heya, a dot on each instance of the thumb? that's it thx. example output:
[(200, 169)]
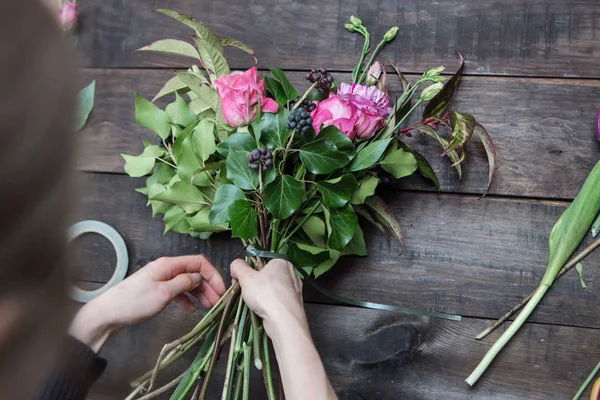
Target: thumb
[(241, 271), (182, 283)]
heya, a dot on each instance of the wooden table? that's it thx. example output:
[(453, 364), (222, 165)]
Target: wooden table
[(532, 69)]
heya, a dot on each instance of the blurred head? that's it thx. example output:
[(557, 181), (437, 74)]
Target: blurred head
[(37, 101)]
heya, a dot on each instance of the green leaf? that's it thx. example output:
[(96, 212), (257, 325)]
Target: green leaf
[(314, 227), (399, 163), (490, 150), (382, 213), (85, 105), (453, 155), (244, 219), (184, 195), (188, 164), (172, 47), (337, 192), (231, 42), (203, 139), (212, 57), (158, 207), (196, 84), (438, 105), (290, 92), (274, 133), (179, 112), (325, 266), (357, 246), (200, 29), (369, 155), (152, 117), (276, 91), (423, 165), (175, 221), (322, 156), (283, 196), (342, 224), (173, 85), (341, 141), (579, 268), (239, 172), (162, 174), (596, 226), (363, 212), (366, 187), (305, 255), (201, 222), (136, 166), (462, 130), (238, 141), (181, 137), (224, 197)]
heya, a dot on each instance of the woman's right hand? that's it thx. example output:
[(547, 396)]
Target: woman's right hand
[(274, 293)]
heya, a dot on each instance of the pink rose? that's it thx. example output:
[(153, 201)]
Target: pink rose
[(337, 112), (240, 93), (68, 15)]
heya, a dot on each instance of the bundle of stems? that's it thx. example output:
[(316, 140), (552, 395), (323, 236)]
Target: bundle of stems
[(567, 234)]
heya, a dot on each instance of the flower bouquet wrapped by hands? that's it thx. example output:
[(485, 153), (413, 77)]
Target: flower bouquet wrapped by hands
[(286, 172)]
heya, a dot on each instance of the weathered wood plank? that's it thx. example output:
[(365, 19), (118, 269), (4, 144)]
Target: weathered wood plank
[(377, 355), (543, 129), (462, 255), (513, 37)]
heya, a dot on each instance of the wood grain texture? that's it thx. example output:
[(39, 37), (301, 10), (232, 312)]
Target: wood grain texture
[(513, 37), (462, 255), (378, 355), (543, 130)]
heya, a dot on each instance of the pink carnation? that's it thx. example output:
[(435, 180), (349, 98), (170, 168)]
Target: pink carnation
[(240, 93)]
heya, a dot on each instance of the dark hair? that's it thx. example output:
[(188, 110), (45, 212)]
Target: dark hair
[(37, 98)]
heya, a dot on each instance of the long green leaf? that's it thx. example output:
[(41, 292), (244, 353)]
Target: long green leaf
[(85, 105), (382, 213), (201, 30), (173, 47), (490, 150)]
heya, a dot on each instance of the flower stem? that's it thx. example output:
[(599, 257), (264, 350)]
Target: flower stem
[(267, 371), (246, 371), (365, 51), (587, 382), (368, 65), (508, 334), (285, 239), (256, 340), (391, 131)]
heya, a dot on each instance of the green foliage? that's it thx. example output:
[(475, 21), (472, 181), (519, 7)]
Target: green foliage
[(244, 219), (314, 228), (224, 197), (341, 226), (337, 192), (213, 58), (184, 195), (399, 163), (238, 171), (283, 196), (201, 31), (369, 155), (172, 47), (274, 133), (290, 93), (274, 88), (85, 105), (423, 165), (203, 139), (331, 150), (382, 213), (172, 86), (179, 112), (152, 117), (439, 104), (366, 187), (136, 166), (239, 141)]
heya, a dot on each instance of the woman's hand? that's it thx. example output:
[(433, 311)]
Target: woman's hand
[(146, 293)]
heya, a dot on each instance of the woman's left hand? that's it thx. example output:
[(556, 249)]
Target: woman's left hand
[(146, 293)]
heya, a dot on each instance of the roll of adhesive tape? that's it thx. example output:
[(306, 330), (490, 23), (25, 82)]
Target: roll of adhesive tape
[(118, 243)]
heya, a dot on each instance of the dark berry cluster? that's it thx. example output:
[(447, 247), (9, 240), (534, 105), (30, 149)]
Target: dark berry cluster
[(323, 77), (260, 158), (300, 118)]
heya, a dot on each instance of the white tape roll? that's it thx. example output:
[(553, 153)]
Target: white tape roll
[(118, 243)]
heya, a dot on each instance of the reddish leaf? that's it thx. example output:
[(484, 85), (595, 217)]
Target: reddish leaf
[(363, 212), (422, 165), (439, 104), (382, 213), (462, 130), (453, 155), (490, 151)]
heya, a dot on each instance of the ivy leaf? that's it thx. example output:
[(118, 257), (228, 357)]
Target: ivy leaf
[(188, 164), (423, 165), (439, 104), (184, 195), (238, 141), (314, 227), (369, 155), (85, 105), (181, 137), (203, 139), (175, 221), (341, 141), (325, 266), (382, 214), (200, 29), (179, 112), (283, 196), (490, 150), (136, 166), (462, 130), (337, 192), (152, 117), (172, 47), (212, 57), (453, 155), (276, 90), (357, 246), (341, 224), (306, 255), (399, 163), (244, 219), (201, 222), (225, 195), (239, 172), (290, 92), (274, 133), (158, 207), (331, 150), (173, 85), (366, 187)]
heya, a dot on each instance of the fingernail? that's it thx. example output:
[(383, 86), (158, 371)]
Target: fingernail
[(196, 277)]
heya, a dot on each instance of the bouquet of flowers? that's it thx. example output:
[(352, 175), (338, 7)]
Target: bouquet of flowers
[(286, 172)]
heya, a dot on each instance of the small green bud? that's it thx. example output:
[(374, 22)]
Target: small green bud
[(431, 91), (350, 27), (391, 34), (433, 73), (355, 21)]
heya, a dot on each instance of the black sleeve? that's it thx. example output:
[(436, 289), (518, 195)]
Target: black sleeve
[(73, 374)]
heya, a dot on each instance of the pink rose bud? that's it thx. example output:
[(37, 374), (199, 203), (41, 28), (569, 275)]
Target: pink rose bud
[(240, 93), (374, 73), (68, 15)]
